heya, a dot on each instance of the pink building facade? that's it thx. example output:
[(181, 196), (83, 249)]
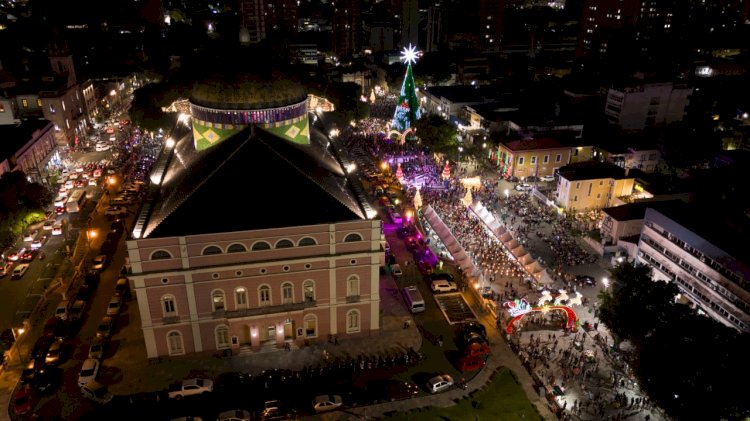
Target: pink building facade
[(263, 289)]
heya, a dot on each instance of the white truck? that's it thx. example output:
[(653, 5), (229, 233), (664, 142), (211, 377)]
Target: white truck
[(189, 387)]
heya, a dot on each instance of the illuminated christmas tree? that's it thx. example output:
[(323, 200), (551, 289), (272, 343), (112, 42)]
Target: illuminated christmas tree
[(407, 108)]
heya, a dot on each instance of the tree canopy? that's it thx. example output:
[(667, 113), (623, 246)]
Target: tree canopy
[(21, 203), (437, 133), (683, 361)]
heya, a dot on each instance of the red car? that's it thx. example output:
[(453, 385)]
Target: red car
[(469, 363), (22, 400), (60, 210)]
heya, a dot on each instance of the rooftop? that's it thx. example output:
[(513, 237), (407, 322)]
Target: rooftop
[(14, 137), (633, 211), (532, 144), (466, 93), (591, 170), (253, 180)]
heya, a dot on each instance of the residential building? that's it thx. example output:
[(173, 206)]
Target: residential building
[(300, 264), (29, 147), (637, 105), (592, 185), (630, 157), (703, 257), (531, 157), (449, 101)]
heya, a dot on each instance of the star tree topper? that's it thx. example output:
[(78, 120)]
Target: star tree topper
[(409, 55)]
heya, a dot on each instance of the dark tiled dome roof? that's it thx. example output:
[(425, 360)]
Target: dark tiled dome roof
[(248, 92)]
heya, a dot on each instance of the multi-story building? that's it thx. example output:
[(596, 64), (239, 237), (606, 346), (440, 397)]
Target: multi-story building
[(29, 147), (300, 263), (637, 105), (646, 159), (592, 185), (347, 27), (704, 258), (532, 157)]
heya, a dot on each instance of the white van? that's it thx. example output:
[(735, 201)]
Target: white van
[(413, 299)]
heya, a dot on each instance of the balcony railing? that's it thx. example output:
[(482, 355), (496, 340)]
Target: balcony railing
[(256, 311), (352, 298), (168, 320)]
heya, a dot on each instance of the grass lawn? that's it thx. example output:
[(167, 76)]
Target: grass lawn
[(501, 399)]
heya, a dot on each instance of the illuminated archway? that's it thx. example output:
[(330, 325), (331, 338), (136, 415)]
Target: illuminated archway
[(520, 308)]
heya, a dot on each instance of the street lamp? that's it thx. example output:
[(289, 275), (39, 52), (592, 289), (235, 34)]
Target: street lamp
[(605, 282)]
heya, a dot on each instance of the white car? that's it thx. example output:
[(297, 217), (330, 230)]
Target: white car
[(323, 403), (442, 285), (96, 392), (235, 415), (101, 147), (523, 187), (88, 372), (57, 228), (48, 224), (547, 178), (440, 383), (189, 387), (116, 210), (29, 236)]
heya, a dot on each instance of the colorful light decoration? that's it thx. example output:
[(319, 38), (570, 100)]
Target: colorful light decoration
[(418, 199), (446, 171), (400, 174), (407, 109)]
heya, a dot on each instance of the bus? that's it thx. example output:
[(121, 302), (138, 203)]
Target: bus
[(76, 201)]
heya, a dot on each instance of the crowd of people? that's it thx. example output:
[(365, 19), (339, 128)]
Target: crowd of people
[(602, 393)]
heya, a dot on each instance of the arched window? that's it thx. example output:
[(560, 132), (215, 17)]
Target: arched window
[(222, 337), (353, 237), (306, 241), (352, 321), (287, 293), (352, 286), (240, 298), (168, 305), (217, 300), (174, 343), (160, 255), (261, 245), (308, 289), (284, 244), (211, 250), (264, 295), (311, 326), (236, 248)]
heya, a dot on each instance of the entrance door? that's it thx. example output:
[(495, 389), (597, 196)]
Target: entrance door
[(245, 339), (289, 330), (271, 333)]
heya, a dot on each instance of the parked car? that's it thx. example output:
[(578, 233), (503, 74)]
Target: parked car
[(56, 353), (470, 363), (76, 310), (30, 370), (47, 226), (40, 348), (22, 400), (99, 262), (547, 178), (523, 187), (63, 309), (97, 348), (235, 415), (122, 288), (190, 387), (116, 211), (440, 383), (475, 327), (7, 268), (88, 372), (57, 228), (16, 255), (324, 403), (104, 330), (586, 279), (96, 392), (396, 270), (443, 286), (30, 235), (113, 308)]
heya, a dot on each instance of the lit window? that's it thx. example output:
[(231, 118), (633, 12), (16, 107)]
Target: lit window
[(24, 103), (240, 297), (217, 300), (168, 305), (308, 287), (39, 102), (311, 326)]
